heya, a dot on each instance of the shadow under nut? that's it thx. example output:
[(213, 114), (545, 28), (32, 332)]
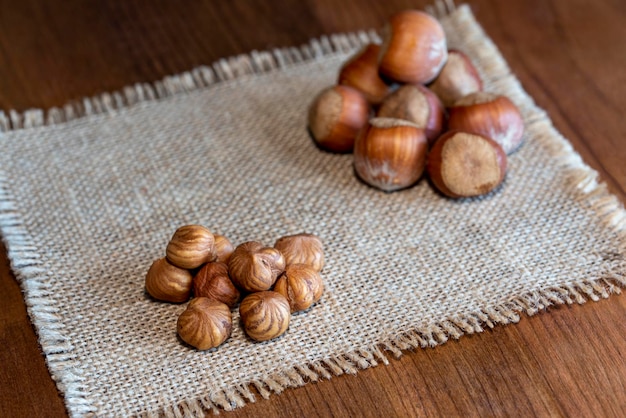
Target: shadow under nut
[(265, 315)]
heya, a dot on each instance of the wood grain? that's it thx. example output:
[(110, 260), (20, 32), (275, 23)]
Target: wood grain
[(569, 55)]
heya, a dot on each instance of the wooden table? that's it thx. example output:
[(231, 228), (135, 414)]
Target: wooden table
[(570, 56)]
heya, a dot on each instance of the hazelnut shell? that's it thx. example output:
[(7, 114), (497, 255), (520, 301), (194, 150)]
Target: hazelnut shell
[(336, 116), (417, 104), (462, 164), (490, 115), (457, 79), (361, 73), (390, 154), (414, 48)]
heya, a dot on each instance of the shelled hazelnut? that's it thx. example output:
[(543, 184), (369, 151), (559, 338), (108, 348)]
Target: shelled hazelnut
[(457, 79), (417, 104), (212, 282), (166, 282), (414, 48), (265, 315), (302, 249), (491, 115), (223, 249), (254, 267), (361, 73), (336, 116), (206, 323), (390, 154), (301, 285), (191, 246), (464, 164)]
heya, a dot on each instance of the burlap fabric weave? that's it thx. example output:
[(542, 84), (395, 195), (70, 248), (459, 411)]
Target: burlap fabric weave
[(90, 195)]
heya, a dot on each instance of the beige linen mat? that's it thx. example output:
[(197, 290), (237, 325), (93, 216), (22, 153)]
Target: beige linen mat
[(91, 193)]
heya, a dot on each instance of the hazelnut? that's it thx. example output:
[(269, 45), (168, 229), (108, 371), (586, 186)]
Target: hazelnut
[(206, 323), (212, 282), (336, 116), (457, 79), (390, 154), (301, 285), (361, 73), (464, 164), (416, 104), (265, 315), (490, 115), (223, 248), (414, 48), (191, 246), (253, 267), (302, 249), (166, 282)]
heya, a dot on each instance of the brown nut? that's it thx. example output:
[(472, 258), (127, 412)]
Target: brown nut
[(462, 164), (336, 116), (167, 282), (302, 249), (361, 72), (191, 246), (223, 248), (457, 79), (490, 115), (212, 282), (390, 154), (414, 48), (301, 285), (265, 315), (254, 268), (416, 104), (206, 323)]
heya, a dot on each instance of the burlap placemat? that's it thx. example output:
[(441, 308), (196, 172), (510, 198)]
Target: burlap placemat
[(90, 195)]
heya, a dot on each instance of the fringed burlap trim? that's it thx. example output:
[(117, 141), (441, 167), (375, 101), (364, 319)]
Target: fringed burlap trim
[(36, 283)]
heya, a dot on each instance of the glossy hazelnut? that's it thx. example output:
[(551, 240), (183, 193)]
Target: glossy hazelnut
[(336, 116), (417, 104), (206, 323), (490, 115), (414, 48), (457, 79), (265, 315), (361, 73), (301, 285), (464, 164), (390, 154), (191, 246), (212, 282), (253, 267), (168, 283), (302, 249), (223, 248)]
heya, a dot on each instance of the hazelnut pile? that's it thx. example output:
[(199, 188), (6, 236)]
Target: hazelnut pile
[(276, 281), (411, 105)]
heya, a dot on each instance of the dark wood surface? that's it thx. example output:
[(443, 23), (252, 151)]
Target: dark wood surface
[(569, 54)]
